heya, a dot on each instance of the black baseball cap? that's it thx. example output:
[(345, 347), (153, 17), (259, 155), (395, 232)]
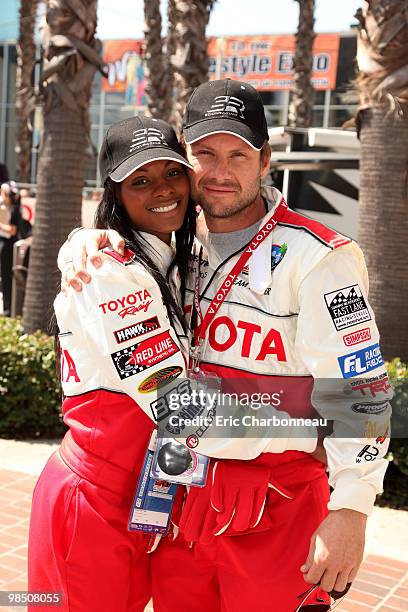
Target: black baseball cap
[(133, 142), (226, 106)]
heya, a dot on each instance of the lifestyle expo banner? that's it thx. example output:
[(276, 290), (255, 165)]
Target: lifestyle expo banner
[(264, 61)]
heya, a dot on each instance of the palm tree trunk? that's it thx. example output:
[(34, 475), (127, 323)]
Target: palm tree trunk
[(190, 59), (158, 84), (383, 130), (24, 89), (171, 44), (383, 224), (71, 57), (301, 107)]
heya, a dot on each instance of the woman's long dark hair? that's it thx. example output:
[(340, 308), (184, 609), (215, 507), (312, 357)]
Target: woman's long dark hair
[(15, 199), (111, 214)]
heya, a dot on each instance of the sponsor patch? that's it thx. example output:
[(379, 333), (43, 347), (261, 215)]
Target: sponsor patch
[(138, 329), (139, 357), (347, 307), (371, 386), (370, 408), (130, 304), (277, 254), (362, 335), (159, 379), (361, 361), (368, 453)]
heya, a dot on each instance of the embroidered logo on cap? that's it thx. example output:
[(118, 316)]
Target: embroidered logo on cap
[(227, 104), (145, 137)]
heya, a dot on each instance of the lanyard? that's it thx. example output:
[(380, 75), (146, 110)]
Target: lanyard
[(223, 291), (197, 305)]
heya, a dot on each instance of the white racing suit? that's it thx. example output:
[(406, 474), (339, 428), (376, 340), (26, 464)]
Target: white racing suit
[(297, 322), (298, 319)]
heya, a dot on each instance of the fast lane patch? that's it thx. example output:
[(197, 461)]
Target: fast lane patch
[(139, 357), (347, 307)]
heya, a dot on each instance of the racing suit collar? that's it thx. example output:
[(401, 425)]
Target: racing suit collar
[(259, 266), (161, 253), (260, 273)]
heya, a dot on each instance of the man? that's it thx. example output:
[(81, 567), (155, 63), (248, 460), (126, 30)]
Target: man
[(287, 315)]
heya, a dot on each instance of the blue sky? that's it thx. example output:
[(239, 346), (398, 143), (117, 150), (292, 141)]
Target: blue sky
[(124, 19), (8, 19)]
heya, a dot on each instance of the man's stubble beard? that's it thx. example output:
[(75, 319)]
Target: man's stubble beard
[(219, 211)]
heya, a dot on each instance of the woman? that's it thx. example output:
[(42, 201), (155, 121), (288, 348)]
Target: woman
[(10, 218), (112, 338)]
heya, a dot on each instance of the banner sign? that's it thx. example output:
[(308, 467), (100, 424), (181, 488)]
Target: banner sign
[(125, 69), (266, 61)]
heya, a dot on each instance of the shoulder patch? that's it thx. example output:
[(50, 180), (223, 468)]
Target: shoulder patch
[(125, 259), (324, 234)]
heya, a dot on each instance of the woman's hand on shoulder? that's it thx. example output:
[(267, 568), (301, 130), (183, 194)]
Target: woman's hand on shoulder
[(84, 245)]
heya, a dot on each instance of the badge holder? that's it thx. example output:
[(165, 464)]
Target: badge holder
[(154, 499), (179, 464), (174, 461)]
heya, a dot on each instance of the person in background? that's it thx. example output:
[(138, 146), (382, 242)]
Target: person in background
[(4, 174), (10, 218)]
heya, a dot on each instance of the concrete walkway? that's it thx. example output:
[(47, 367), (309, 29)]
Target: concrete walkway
[(381, 585)]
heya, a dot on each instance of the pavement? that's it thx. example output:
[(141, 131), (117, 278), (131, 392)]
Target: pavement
[(381, 584)]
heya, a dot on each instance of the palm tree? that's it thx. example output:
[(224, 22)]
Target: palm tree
[(71, 56), (382, 123), (189, 60), (170, 51), (301, 107), (24, 89), (157, 71)]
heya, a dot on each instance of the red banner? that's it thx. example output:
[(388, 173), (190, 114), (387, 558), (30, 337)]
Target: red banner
[(264, 61), (267, 61)]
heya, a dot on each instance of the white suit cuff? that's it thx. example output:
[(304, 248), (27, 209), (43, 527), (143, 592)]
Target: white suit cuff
[(353, 494)]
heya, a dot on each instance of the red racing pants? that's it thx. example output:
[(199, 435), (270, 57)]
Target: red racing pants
[(254, 572), (79, 544)]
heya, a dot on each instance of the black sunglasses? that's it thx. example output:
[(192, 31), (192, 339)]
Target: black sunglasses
[(320, 606)]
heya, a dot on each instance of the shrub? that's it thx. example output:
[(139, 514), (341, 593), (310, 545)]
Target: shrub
[(395, 484), (30, 395)]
